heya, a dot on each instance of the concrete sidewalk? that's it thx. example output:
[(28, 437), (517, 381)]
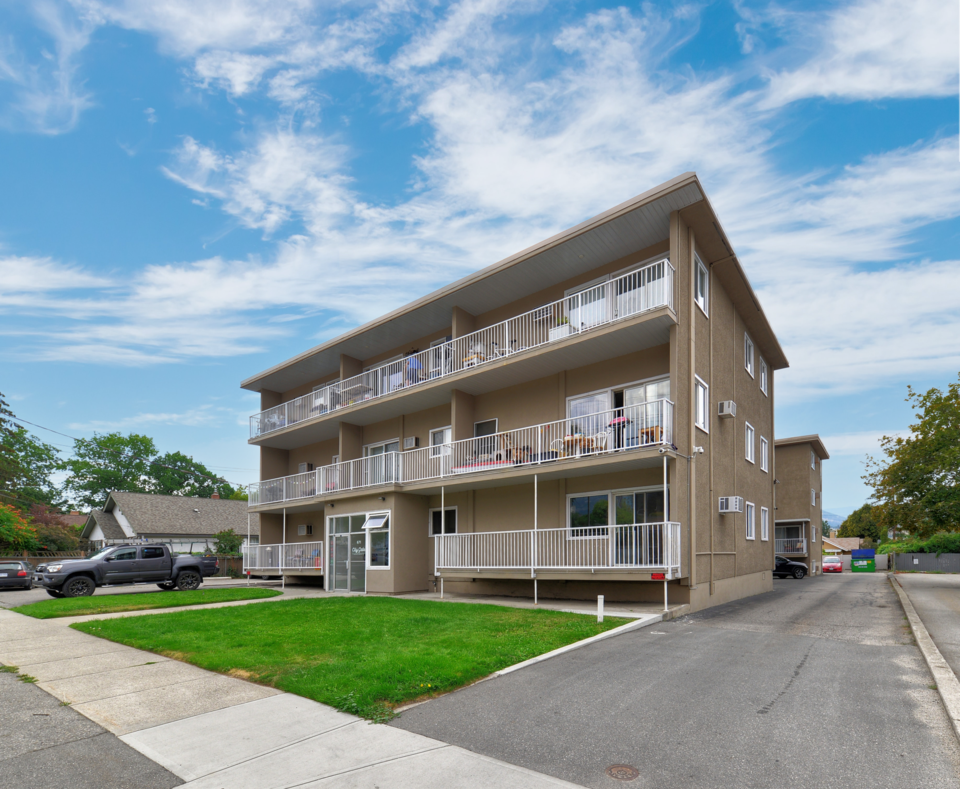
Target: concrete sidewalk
[(215, 731)]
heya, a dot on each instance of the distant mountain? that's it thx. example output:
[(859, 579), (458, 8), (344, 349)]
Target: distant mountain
[(833, 519)]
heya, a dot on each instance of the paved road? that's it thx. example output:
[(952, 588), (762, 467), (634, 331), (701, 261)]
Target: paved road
[(937, 600), (815, 684), (45, 744)]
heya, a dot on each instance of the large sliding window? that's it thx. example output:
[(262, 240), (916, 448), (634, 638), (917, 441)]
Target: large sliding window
[(589, 514), (625, 415)]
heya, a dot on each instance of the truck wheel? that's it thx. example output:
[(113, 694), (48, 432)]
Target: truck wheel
[(54, 593), (78, 586), (167, 586), (188, 579), (798, 573)]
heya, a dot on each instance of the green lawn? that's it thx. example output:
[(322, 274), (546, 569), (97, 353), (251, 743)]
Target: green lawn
[(363, 655), (111, 604)]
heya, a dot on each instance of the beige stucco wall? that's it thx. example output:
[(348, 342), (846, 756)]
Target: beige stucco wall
[(797, 479)]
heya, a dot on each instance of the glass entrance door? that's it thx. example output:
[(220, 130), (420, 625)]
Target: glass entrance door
[(348, 551), (341, 562)]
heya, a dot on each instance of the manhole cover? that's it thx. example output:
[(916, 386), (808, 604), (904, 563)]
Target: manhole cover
[(622, 772)]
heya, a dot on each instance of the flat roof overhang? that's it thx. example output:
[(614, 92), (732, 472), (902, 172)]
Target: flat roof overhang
[(605, 342), (628, 460), (633, 225)]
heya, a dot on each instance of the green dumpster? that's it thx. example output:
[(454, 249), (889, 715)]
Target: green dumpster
[(863, 560)]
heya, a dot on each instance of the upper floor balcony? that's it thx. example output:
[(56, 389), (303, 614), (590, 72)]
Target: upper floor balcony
[(559, 323), (615, 432)]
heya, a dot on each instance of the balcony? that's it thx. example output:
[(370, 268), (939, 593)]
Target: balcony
[(605, 433), (791, 545), (637, 292), (286, 556), (653, 547)]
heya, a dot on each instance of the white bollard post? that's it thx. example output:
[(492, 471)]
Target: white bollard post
[(599, 608), (441, 587), (666, 603)]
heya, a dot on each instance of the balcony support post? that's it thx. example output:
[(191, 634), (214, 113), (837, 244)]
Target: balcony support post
[(283, 547), (247, 554)]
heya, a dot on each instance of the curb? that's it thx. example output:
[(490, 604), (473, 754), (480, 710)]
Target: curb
[(947, 683), (635, 625)]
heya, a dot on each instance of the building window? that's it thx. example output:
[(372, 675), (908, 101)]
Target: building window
[(702, 405), (590, 514), (748, 353), (763, 376), (440, 440), (701, 286), (446, 525), (751, 443), (751, 525), (813, 460), (813, 497), (764, 454), (377, 527), (764, 524)]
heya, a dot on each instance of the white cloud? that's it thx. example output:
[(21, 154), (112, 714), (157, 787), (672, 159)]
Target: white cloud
[(861, 443), (202, 416), (875, 49), (21, 275)]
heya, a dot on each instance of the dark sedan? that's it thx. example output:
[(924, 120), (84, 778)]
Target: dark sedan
[(784, 568), (16, 575)]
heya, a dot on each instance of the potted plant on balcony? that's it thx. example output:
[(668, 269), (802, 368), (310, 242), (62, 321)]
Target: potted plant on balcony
[(562, 329)]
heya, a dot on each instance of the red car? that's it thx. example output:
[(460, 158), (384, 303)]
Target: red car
[(832, 564)]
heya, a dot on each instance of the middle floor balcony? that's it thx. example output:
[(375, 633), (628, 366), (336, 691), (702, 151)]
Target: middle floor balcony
[(605, 437)]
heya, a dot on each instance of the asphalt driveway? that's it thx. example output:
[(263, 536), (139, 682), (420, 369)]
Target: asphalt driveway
[(936, 598), (815, 684)]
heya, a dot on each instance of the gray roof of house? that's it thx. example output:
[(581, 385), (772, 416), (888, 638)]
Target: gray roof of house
[(107, 523), (150, 514)]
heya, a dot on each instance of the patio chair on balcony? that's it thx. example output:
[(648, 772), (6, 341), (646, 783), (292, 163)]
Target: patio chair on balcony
[(476, 355)]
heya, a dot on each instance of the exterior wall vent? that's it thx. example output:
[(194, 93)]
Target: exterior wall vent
[(727, 409), (731, 504), (305, 467), (411, 442)]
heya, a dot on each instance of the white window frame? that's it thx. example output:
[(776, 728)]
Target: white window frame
[(432, 510), (612, 493), (763, 377), (496, 427), (813, 497), (764, 524), (750, 512), (750, 443), (374, 445), (813, 460), (764, 454), (748, 354), (436, 450), (702, 300), (701, 406), (369, 532), (328, 532)]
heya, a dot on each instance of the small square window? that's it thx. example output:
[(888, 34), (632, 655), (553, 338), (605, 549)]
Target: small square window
[(751, 525), (748, 354), (701, 286), (447, 526), (702, 405), (751, 442)]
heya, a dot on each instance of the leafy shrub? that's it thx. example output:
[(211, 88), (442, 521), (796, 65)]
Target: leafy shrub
[(16, 533), (941, 542)]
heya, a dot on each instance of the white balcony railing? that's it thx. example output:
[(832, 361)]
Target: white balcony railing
[(617, 430), (638, 291), (285, 556), (654, 546), (791, 545)]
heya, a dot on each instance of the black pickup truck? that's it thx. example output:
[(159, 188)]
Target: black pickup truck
[(118, 565)]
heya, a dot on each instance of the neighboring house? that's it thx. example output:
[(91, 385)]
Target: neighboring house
[(186, 524), (800, 499), (532, 428), (841, 546), (74, 518)]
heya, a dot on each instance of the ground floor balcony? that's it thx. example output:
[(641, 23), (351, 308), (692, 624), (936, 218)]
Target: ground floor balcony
[(300, 556), (791, 546), (616, 434), (652, 548)]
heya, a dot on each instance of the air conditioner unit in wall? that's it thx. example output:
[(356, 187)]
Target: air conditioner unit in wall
[(305, 467), (731, 504), (727, 409), (305, 529), (411, 442)]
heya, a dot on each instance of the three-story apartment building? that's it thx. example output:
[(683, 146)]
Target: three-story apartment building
[(592, 415), (799, 515)]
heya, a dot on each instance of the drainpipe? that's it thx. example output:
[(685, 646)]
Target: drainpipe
[(691, 390), (710, 425)]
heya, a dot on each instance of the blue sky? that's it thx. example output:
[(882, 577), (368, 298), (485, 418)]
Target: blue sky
[(193, 191)]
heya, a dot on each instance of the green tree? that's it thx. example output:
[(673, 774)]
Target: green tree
[(35, 464), (16, 533), (239, 495), (176, 474), (227, 542), (825, 528), (8, 461), (862, 523), (53, 533), (109, 462), (916, 484)]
